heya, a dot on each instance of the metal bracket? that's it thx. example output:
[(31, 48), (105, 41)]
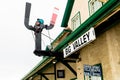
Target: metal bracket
[(48, 53)]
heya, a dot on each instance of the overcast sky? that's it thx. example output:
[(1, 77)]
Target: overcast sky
[(17, 42)]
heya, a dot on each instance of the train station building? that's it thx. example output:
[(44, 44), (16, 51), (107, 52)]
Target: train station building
[(89, 46)]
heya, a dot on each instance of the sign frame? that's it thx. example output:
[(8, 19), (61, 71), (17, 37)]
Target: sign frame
[(80, 42)]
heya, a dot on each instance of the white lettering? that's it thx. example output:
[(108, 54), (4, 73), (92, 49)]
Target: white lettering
[(80, 42)]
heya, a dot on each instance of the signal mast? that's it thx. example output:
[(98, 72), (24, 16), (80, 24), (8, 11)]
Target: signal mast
[(37, 28)]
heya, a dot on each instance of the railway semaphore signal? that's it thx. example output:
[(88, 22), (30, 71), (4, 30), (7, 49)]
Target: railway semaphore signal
[(37, 28)]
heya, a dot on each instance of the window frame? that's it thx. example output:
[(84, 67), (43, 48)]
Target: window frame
[(91, 12), (59, 72), (74, 19)]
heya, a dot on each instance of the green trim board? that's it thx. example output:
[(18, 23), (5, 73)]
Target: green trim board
[(87, 24), (67, 13)]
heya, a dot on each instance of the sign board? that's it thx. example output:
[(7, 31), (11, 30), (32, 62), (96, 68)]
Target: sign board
[(92, 72), (83, 40)]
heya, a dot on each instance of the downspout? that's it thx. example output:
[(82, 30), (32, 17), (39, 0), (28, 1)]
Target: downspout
[(67, 13)]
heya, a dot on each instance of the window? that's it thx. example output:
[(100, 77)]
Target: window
[(75, 21), (94, 5), (60, 73)]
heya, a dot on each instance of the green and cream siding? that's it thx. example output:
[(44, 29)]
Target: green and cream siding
[(98, 60), (82, 10)]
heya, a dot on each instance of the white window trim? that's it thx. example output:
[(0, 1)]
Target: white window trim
[(76, 21), (93, 8)]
